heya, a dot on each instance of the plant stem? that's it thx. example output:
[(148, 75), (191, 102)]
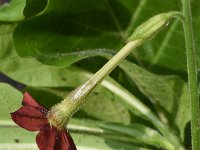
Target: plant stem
[(192, 75), (84, 90), (60, 113)]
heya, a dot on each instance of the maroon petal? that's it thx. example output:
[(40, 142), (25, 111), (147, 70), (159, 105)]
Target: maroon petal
[(66, 141), (29, 101), (49, 138), (30, 118), (46, 138)]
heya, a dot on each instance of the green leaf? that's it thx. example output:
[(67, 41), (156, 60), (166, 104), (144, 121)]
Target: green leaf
[(169, 94), (104, 105), (12, 11), (65, 34), (10, 99), (100, 26), (12, 138), (34, 7), (135, 133), (29, 71), (140, 133), (71, 34), (85, 142), (85, 135)]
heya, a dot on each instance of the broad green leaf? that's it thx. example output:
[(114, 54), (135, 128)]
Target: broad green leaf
[(79, 29), (12, 10), (29, 71), (79, 36), (59, 37), (168, 93)]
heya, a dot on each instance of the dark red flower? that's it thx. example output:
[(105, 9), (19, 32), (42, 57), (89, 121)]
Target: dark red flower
[(33, 117)]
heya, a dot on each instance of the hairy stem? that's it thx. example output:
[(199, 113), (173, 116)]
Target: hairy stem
[(60, 113), (192, 74)]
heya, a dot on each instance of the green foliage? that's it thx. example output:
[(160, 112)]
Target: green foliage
[(140, 133), (12, 11), (9, 102), (169, 94)]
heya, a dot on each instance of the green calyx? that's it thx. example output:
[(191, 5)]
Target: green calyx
[(152, 27)]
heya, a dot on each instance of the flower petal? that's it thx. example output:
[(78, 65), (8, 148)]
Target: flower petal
[(30, 118), (46, 138), (65, 141), (29, 101), (49, 138)]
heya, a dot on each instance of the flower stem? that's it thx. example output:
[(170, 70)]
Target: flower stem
[(85, 89), (192, 75), (60, 113)]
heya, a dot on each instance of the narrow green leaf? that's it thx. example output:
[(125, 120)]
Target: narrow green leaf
[(141, 133)]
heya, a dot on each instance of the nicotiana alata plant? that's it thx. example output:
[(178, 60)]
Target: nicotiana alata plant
[(45, 50)]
